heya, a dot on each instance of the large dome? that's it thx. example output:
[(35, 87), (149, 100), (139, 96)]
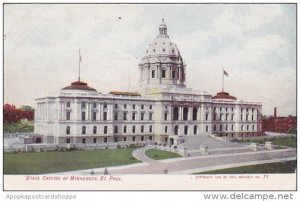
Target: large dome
[(162, 66), (162, 45)]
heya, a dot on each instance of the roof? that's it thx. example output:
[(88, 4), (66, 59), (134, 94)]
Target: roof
[(224, 95), (79, 85), (125, 93)]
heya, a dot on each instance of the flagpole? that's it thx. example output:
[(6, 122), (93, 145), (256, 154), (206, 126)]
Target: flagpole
[(223, 80), (79, 66)]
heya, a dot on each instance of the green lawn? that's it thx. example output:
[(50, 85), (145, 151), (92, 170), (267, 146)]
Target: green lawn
[(160, 155), (280, 167), (18, 127), (49, 162), (280, 141)]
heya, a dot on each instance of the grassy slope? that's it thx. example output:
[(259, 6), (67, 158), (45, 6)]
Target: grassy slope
[(283, 167), (159, 155), (289, 141), (48, 162)]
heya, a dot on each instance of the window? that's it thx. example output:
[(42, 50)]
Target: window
[(68, 104), (116, 106), (95, 140), (133, 116), (226, 127), (232, 117), (115, 139), (133, 106), (104, 116), (68, 115), (94, 105), (95, 130), (173, 74), (83, 140), (153, 73), (206, 117), (105, 106), (221, 116), (124, 129), (253, 127), (176, 130), (175, 113), (116, 116), (166, 129), (215, 128), (142, 116), (195, 114), (83, 130), (133, 129), (150, 116), (125, 116), (83, 116), (185, 113), (142, 129), (116, 129), (166, 116), (195, 129), (105, 130), (242, 127), (124, 139), (241, 117), (83, 105), (68, 130), (68, 140), (150, 107), (105, 140), (186, 129), (150, 129), (215, 116), (142, 107), (164, 49), (163, 74), (247, 117), (94, 116), (133, 138), (252, 117), (125, 106), (232, 127), (221, 127), (142, 138), (206, 129), (247, 127)]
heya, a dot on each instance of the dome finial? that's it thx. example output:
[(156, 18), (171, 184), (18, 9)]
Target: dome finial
[(163, 28)]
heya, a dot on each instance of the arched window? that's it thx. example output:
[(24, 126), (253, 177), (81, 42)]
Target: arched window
[(195, 129), (176, 130), (142, 129), (185, 113), (186, 130), (133, 129), (68, 130), (105, 130), (150, 129), (175, 113), (95, 130), (195, 114), (83, 130)]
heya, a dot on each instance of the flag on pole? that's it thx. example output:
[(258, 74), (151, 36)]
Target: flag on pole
[(225, 73)]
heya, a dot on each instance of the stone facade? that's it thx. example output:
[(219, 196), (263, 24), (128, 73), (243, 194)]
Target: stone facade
[(162, 110)]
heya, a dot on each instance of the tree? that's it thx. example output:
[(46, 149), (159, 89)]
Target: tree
[(26, 108)]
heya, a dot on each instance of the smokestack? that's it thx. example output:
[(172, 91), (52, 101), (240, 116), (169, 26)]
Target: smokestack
[(275, 111)]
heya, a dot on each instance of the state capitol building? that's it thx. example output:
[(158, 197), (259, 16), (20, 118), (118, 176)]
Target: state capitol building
[(162, 110)]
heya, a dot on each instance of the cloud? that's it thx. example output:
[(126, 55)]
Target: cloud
[(42, 41)]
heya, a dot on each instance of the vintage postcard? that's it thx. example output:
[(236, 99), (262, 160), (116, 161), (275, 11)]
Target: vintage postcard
[(149, 97)]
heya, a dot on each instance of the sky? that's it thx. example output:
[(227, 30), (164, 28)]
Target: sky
[(254, 43)]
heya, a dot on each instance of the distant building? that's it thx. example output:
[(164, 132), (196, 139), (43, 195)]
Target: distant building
[(279, 124), (162, 110)]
